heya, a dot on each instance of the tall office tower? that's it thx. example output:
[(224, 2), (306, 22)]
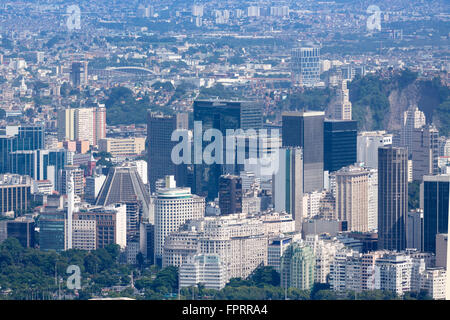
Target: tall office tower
[(305, 130), (368, 143), (340, 142), (52, 225), (15, 193), (78, 177), (352, 197), (110, 222), (413, 119), (435, 203), (99, 123), (305, 64), (66, 124), (123, 185), (425, 152), (297, 267), (84, 124), (221, 115), (342, 107), (230, 194), (392, 197), (414, 228), (173, 207), (287, 183), (159, 147), (75, 74), (372, 210)]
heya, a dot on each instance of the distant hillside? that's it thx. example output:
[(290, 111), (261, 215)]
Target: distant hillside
[(379, 101)]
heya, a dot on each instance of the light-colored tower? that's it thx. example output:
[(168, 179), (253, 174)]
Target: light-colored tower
[(305, 64), (368, 143), (352, 196), (413, 118), (425, 152), (70, 206), (66, 129), (173, 207), (99, 123), (84, 124), (342, 108)]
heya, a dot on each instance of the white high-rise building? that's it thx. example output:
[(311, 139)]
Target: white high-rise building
[(372, 204), (352, 196), (324, 253), (305, 64), (84, 124), (239, 241), (173, 207), (207, 269), (311, 203), (368, 143), (84, 234), (253, 11), (433, 281), (413, 119), (342, 107), (282, 11), (141, 167), (88, 124), (394, 273)]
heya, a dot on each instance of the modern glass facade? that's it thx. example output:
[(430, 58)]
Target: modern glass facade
[(392, 197), (221, 115), (340, 144), (305, 130), (436, 190), (52, 231), (36, 163)]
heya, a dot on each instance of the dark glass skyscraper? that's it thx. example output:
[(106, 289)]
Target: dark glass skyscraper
[(435, 194), (340, 144), (221, 115), (392, 197), (159, 148), (230, 194), (305, 130), (75, 74)]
